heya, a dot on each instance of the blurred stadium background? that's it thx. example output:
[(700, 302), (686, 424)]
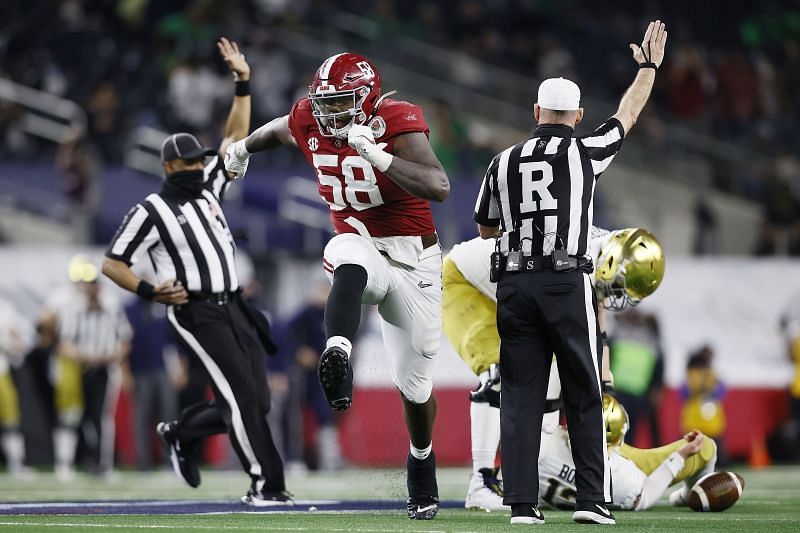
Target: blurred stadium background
[(89, 89)]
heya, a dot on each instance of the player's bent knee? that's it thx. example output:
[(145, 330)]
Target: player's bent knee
[(417, 391)]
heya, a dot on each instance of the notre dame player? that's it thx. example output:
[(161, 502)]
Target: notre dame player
[(640, 475), (629, 267)]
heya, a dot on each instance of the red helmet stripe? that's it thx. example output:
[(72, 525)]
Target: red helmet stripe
[(325, 69)]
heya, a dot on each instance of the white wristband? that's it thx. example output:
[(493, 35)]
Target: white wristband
[(675, 463), (380, 159)]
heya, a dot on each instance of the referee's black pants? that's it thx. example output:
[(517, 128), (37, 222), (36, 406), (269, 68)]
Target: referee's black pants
[(101, 386), (224, 339), (540, 314)]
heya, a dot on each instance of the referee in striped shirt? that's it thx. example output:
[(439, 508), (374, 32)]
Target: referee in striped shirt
[(185, 234), (536, 199)]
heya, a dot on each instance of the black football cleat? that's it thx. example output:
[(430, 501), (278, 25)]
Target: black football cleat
[(525, 513), (423, 492), (267, 498), (183, 459), (592, 513), (335, 374)]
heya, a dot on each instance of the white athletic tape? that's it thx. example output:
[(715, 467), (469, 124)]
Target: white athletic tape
[(701, 493)]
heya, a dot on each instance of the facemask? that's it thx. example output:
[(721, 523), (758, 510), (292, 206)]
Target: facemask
[(183, 186)]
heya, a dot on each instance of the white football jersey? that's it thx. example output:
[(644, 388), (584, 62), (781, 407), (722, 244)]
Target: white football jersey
[(627, 481), (557, 474), (473, 260)]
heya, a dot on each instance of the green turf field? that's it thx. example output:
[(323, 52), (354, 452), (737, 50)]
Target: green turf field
[(771, 503)]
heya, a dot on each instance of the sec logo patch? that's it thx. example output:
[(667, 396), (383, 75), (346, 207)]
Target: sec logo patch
[(378, 127), (313, 144)]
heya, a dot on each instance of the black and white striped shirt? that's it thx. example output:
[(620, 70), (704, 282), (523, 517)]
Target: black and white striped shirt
[(540, 191), (96, 332), (188, 241)]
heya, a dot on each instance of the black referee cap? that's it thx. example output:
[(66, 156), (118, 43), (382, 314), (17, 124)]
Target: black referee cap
[(183, 146)]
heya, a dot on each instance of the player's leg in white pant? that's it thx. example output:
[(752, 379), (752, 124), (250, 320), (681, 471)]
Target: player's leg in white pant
[(65, 443), (485, 490), (359, 274), (411, 325)]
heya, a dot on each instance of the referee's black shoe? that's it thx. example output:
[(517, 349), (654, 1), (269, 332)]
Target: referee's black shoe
[(526, 513), (423, 491), (335, 374), (183, 459), (592, 513)]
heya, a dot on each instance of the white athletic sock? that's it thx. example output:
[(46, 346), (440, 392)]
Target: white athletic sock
[(340, 342), (328, 449), (423, 453), (65, 441), (14, 449), (485, 431)]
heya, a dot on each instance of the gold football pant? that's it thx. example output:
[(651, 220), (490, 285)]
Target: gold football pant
[(9, 401), (68, 385), (649, 459), (469, 320)]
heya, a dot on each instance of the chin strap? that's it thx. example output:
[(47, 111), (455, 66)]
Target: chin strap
[(378, 104)]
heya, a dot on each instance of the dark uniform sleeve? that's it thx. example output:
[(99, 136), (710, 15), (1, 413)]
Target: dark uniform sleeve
[(603, 144), (216, 178), (487, 212), (136, 232)]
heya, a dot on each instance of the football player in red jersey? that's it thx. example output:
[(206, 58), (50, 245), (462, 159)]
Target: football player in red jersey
[(376, 170)]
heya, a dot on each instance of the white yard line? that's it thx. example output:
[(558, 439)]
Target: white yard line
[(183, 527)]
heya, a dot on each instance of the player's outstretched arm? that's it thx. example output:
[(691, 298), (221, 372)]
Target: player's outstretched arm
[(661, 478), (272, 134), (649, 56), (238, 124), (413, 165)]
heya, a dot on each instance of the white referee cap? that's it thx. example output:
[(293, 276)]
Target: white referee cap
[(559, 94)]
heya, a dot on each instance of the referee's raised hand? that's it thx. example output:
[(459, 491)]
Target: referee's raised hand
[(171, 294), (230, 53), (651, 51)]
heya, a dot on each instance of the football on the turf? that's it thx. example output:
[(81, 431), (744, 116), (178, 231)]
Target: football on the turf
[(716, 491)]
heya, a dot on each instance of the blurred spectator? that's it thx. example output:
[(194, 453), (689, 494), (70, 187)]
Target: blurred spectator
[(16, 337), (193, 94), (448, 137), (784, 442), (688, 83), (94, 339), (780, 232), (737, 96), (77, 160), (555, 61), (14, 142), (307, 333), (272, 78), (154, 370), (706, 239), (702, 396), (103, 110), (638, 366)]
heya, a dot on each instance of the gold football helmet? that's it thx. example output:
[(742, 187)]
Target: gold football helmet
[(630, 268), (81, 270), (616, 420)]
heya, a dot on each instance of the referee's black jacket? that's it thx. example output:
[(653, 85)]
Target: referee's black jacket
[(532, 191)]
